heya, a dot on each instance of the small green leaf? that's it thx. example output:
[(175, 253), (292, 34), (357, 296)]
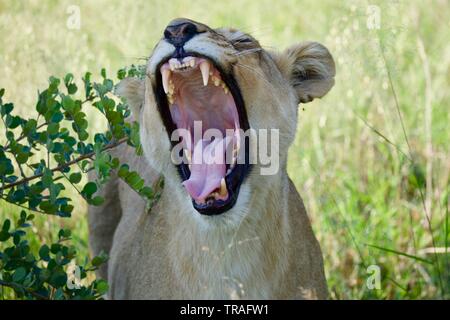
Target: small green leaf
[(64, 233), (44, 253), (48, 207), (58, 279), (18, 195), (75, 177), (89, 189), (101, 286), (19, 274), (68, 104), (100, 259), (12, 122), (47, 178), (4, 235), (121, 74), (123, 171), (53, 128), (97, 201), (6, 109), (6, 225)]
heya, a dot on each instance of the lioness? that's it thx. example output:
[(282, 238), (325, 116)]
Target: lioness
[(219, 230)]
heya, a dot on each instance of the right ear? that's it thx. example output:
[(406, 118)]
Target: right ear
[(133, 90), (309, 68)]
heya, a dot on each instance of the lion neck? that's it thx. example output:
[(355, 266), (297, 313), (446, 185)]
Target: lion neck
[(220, 257)]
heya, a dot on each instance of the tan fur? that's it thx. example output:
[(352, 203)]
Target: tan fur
[(262, 248)]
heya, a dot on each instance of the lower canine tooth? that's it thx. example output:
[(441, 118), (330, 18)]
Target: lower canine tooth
[(223, 187)]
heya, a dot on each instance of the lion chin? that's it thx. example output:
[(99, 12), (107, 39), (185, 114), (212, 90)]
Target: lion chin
[(221, 229)]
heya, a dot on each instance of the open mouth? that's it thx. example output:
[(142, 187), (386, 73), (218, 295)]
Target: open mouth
[(205, 106)]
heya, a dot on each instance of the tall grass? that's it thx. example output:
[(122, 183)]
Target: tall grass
[(371, 159)]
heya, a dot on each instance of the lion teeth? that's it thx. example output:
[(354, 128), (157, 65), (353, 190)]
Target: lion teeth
[(224, 87), (165, 79), (174, 64), (204, 68), (219, 82), (171, 88), (223, 188)]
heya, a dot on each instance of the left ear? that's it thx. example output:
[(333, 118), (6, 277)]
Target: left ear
[(309, 68)]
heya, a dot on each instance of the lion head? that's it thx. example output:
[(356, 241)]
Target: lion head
[(223, 80)]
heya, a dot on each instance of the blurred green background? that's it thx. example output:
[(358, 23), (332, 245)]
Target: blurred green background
[(371, 160)]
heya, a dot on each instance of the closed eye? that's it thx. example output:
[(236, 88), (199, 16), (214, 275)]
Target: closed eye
[(244, 40)]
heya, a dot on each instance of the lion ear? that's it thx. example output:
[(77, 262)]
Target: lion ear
[(310, 69), (133, 90)]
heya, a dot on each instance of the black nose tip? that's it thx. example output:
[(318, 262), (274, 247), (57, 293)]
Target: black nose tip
[(178, 34)]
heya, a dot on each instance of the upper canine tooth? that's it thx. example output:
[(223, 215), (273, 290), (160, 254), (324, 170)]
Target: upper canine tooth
[(204, 68), (165, 79), (192, 63)]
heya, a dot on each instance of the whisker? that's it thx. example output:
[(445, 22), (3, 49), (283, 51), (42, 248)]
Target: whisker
[(248, 51), (256, 72)]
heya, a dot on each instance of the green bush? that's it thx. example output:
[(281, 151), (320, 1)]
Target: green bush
[(43, 155)]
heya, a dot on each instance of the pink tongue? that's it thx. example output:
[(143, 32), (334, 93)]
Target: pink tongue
[(207, 169)]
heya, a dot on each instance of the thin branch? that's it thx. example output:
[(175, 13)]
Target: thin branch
[(17, 286), (24, 207), (73, 185), (14, 155), (65, 165), (23, 136)]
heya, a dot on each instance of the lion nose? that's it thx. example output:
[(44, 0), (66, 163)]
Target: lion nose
[(178, 33)]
